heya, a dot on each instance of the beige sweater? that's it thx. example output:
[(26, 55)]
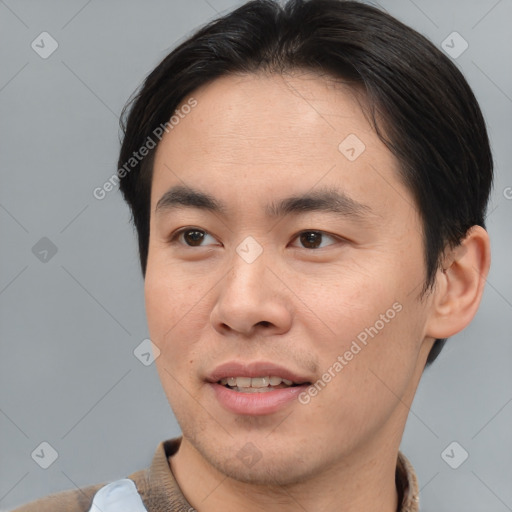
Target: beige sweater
[(160, 492)]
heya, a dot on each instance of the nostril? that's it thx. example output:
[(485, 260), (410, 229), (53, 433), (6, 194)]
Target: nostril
[(264, 323)]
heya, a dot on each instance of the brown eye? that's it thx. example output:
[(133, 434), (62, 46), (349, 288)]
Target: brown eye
[(311, 239), (193, 237), (316, 239)]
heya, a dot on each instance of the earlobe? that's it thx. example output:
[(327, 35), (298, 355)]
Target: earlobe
[(460, 284)]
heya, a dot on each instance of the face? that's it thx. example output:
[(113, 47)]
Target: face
[(282, 288)]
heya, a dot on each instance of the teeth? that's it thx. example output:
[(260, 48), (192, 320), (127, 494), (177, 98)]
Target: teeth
[(260, 382), (243, 382), (255, 382)]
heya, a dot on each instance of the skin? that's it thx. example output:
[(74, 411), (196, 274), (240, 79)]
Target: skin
[(252, 140)]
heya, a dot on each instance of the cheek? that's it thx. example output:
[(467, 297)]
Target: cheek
[(175, 314), (177, 309), (350, 300), (367, 321), (375, 347)]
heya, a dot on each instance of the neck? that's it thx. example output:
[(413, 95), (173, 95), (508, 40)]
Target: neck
[(362, 481)]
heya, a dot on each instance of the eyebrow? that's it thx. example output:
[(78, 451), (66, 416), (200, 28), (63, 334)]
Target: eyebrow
[(320, 200)]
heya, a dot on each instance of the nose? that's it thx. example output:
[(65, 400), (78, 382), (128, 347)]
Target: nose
[(251, 301)]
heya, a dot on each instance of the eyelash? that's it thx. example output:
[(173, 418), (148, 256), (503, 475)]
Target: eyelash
[(173, 239)]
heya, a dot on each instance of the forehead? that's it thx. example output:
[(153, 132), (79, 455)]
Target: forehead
[(267, 134), (270, 113)]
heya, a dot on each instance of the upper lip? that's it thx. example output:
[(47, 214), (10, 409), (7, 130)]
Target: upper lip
[(254, 369)]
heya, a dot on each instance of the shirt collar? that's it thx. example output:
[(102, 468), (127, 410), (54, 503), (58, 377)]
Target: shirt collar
[(407, 485)]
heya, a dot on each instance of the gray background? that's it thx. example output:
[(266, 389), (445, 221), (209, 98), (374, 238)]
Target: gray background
[(69, 326)]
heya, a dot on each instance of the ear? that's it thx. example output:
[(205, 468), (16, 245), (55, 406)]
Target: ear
[(460, 284)]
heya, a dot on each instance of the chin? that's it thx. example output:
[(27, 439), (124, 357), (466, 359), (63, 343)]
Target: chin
[(269, 473), (263, 467)]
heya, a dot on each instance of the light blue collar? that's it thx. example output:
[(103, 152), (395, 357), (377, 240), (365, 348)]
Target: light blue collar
[(118, 496)]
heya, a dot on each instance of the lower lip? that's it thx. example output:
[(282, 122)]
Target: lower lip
[(256, 403)]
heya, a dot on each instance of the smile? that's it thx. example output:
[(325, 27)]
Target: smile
[(256, 384)]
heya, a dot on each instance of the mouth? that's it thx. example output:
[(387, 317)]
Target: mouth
[(258, 384), (255, 388)]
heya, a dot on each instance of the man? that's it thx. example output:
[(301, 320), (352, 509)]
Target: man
[(309, 185)]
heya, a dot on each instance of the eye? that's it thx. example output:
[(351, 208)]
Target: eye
[(313, 239), (192, 237)]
